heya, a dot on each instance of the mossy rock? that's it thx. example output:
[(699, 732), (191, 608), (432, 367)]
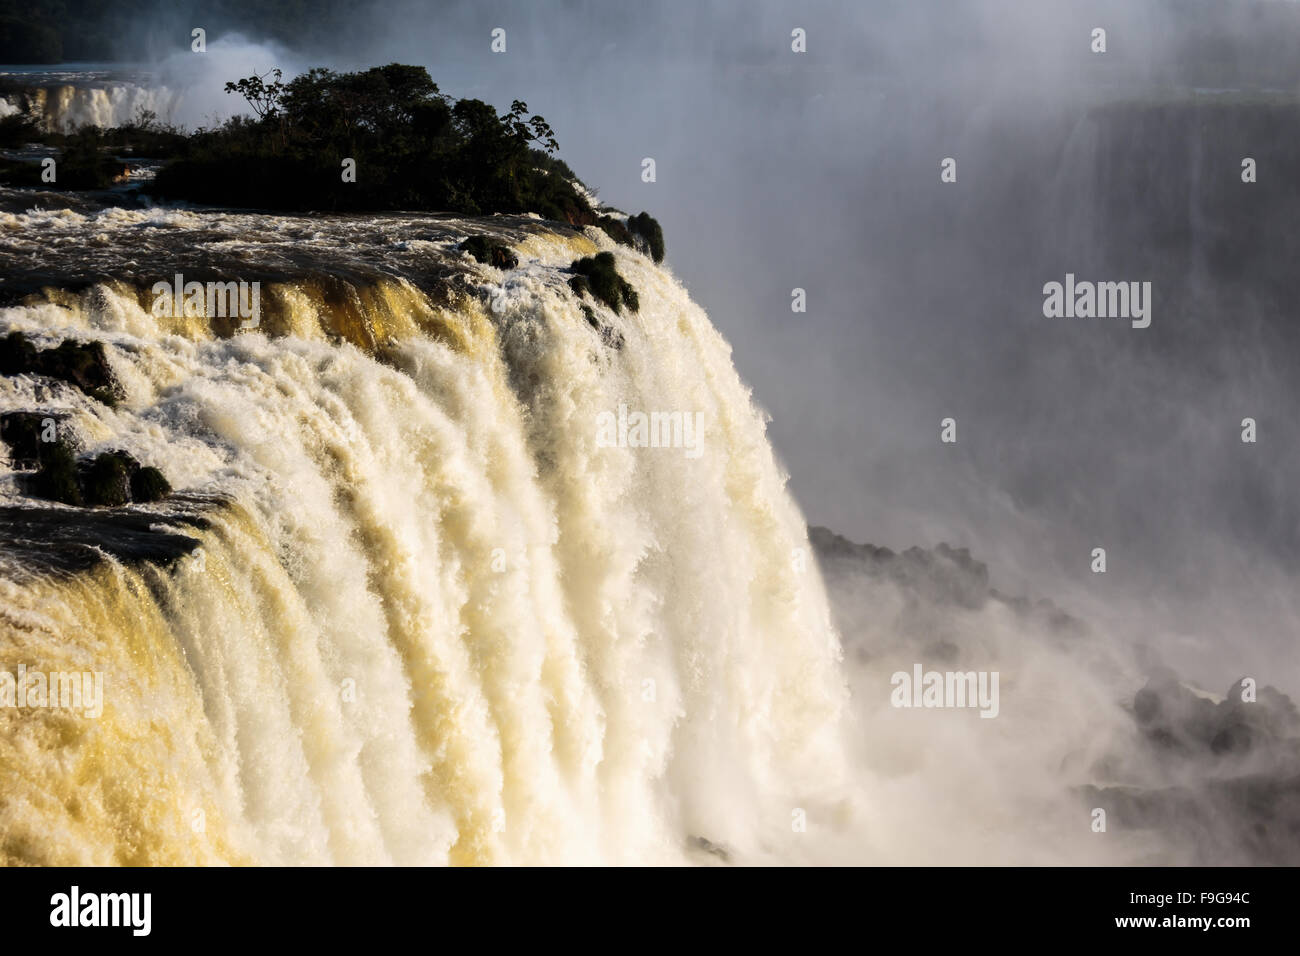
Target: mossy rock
[(597, 276), (149, 484), (490, 251), (106, 479), (29, 435), (114, 478), (57, 479), (38, 439)]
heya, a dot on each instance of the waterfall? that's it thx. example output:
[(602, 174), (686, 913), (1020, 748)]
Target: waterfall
[(429, 617)]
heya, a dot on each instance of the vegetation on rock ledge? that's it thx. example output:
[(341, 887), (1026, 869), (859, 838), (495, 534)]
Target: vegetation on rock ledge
[(596, 275), (410, 145), (374, 140), (38, 441)]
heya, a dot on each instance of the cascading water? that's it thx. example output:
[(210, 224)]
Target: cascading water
[(430, 617), (66, 107)]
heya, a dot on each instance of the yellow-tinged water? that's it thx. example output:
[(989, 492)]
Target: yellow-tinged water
[(436, 621)]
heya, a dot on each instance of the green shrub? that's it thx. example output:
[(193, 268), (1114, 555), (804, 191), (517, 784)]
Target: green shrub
[(414, 147), (83, 163), (598, 276), (18, 130), (645, 227), (145, 135), (616, 231)]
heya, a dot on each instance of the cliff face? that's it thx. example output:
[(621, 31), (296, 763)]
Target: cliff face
[(943, 575), (1186, 775)]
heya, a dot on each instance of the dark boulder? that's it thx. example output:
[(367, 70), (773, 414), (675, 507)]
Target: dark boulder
[(57, 479), (106, 479), (39, 442), (149, 484), (82, 364), (29, 435), (490, 251)]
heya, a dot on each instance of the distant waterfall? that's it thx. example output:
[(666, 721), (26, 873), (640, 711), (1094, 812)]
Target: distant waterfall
[(65, 108)]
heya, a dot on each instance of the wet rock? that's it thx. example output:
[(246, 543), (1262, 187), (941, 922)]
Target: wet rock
[(39, 442), (29, 436), (44, 539), (490, 251), (149, 484), (942, 575), (82, 364), (115, 478), (57, 479), (1178, 720), (106, 479)]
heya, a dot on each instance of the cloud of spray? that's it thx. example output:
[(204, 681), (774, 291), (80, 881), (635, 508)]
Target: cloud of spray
[(199, 79)]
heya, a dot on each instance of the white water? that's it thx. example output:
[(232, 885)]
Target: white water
[(436, 623)]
